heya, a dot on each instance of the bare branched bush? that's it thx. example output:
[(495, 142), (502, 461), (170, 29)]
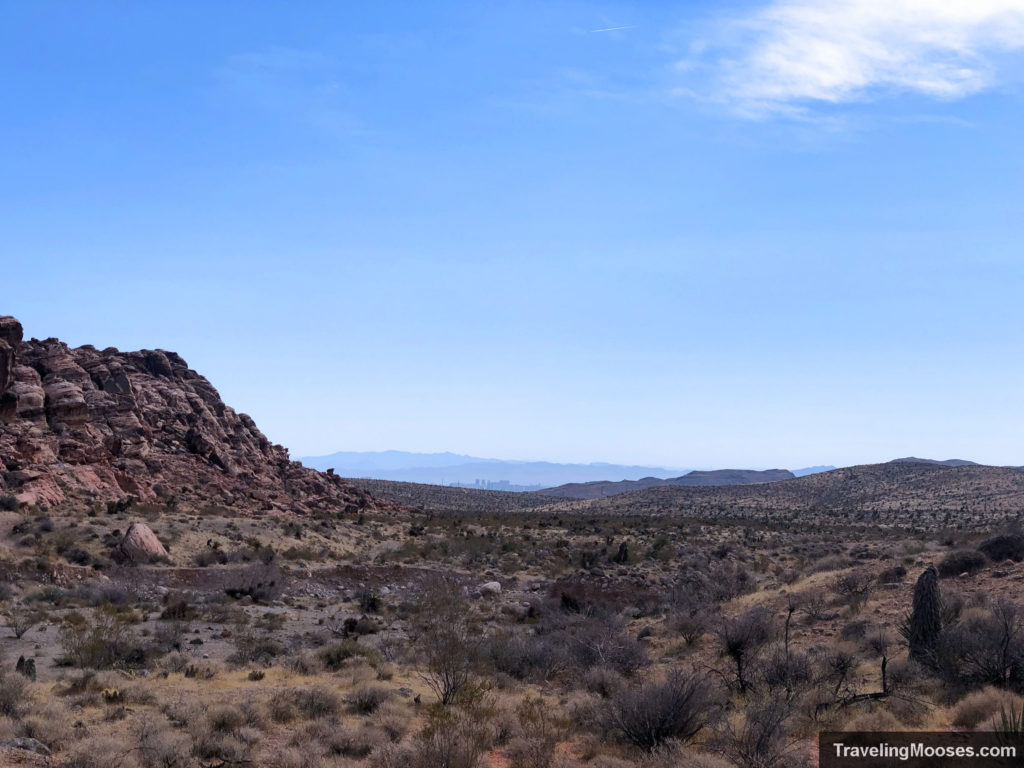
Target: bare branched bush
[(452, 738), (761, 741), (676, 709), (21, 620), (742, 637), (814, 603), (854, 588), (104, 641)]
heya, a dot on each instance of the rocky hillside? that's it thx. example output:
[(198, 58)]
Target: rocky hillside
[(717, 477), (89, 424)]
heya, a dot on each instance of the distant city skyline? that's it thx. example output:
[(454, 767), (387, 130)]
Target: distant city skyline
[(685, 234)]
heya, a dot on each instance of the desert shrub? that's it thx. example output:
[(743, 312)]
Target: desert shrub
[(369, 600), (261, 582), (691, 620), (178, 609), (451, 738), (786, 670), (961, 561), (48, 594), (392, 718), (333, 740), (530, 752), (742, 637), (529, 657), (951, 606), (225, 718), (1005, 547), (592, 641), (836, 665), (985, 648), (854, 630), (21, 620), (216, 747), (316, 702), (104, 594), (603, 681), (9, 503), (855, 588), (979, 706), (335, 655), (609, 761), (677, 708), (761, 740), (95, 751), (540, 728), (170, 636), (105, 641), (892, 575), (254, 647), (51, 725), (450, 657), (160, 747), (814, 602), (305, 663), (829, 563), (13, 694), (366, 700), (282, 709)]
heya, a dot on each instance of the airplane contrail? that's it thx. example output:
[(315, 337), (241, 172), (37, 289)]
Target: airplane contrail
[(611, 29)]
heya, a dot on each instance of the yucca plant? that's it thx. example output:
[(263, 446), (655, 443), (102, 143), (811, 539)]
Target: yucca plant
[(1011, 725)]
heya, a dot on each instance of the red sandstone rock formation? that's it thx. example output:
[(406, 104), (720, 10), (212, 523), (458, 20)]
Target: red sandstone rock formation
[(102, 425)]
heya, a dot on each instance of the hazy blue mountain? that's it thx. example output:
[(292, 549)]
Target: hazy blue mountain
[(449, 468), (383, 461), (812, 470)]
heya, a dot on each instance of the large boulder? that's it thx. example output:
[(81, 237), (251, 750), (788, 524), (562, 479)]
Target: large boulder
[(140, 545), (490, 589)]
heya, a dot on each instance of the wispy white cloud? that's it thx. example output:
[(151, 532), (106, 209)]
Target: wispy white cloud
[(792, 54)]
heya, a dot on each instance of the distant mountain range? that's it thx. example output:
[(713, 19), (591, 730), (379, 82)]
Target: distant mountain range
[(475, 472), (599, 490)]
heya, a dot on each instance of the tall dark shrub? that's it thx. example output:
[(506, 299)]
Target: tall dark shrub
[(926, 619)]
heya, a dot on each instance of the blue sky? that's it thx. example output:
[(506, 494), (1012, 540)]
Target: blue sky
[(688, 234)]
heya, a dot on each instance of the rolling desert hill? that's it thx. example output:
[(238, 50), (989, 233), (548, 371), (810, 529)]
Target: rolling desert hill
[(943, 462), (912, 494), (102, 425), (603, 489), (904, 493)]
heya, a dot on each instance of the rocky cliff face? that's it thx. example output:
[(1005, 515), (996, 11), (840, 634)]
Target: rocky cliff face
[(102, 424)]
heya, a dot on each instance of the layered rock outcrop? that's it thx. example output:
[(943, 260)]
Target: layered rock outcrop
[(105, 425)]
